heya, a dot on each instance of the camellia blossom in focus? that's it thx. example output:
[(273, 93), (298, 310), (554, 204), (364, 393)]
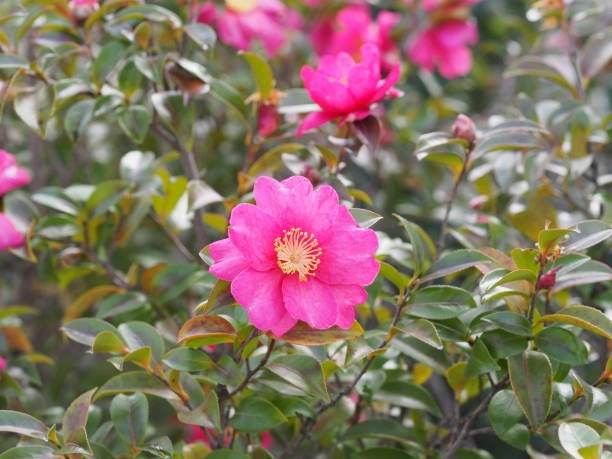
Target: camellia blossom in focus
[(10, 238), (244, 21), (445, 42), (353, 26), (297, 254), (346, 89), (11, 175)]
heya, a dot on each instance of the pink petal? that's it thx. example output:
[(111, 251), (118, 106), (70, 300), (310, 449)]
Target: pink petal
[(385, 86), (10, 238), (457, 63), (283, 325), (11, 175), (423, 50), (454, 33), (261, 294), (253, 231), (347, 297), (311, 301), (229, 261), (348, 257), (314, 120)]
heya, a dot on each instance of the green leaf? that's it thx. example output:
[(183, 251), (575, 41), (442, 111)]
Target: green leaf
[(22, 424), (390, 273), (230, 96), (56, 199), (423, 249), (153, 13), (505, 415), (364, 217), (186, 359), (121, 303), (422, 330), (30, 452), (480, 360), (531, 379), (58, 227), (454, 262), (104, 197), (205, 415), (135, 122), (304, 335), (136, 381), (407, 395), (551, 67), (588, 272), (383, 429), (440, 302), (77, 118), (575, 436), (10, 61), (585, 317), (383, 452), (85, 331), (511, 322), (587, 234), (225, 453), (264, 78), (562, 345), (138, 335), (271, 160), (130, 79), (502, 344), (202, 35), (549, 239), (108, 342), (75, 421), (421, 352), (255, 414), (204, 330), (303, 372), (130, 415), (595, 54)]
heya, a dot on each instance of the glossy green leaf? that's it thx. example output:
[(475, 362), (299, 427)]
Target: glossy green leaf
[(135, 121), (204, 330), (303, 372), (271, 160), (502, 344), (562, 345), (30, 452), (407, 395), (108, 342), (454, 262), (140, 334), (383, 429), (136, 381), (422, 330), (85, 331), (505, 415), (255, 414), (264, 78), (207, 414), (440, 302), (201, 34), (75, 420), (186, 359), (531, 379), (585, 317), (480, 360), (575, 436), (22, 424), (364, 217), (130, 415), (511, 322), (423, 249), (587, 234)]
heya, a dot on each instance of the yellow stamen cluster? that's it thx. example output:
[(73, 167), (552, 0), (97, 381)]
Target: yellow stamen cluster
[(298, 252)]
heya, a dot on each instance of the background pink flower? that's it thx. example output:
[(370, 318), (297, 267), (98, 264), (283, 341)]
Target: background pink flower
[(10, 238), (2, 364), (346, 89), (445, 45), (297, 254), (270, 21), (11, 175), (353, 26)]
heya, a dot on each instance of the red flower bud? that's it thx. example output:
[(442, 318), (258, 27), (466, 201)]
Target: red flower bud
[(311, 174), (548, 280), (464, 128), (268, 119)]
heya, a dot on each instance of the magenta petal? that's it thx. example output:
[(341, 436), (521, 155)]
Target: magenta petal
[(347, 297), (458, 62), (229, 261), (283, 325), (312, 302), (10, 238), (253, 231), (261, 294), (314, 120), (348, 257)]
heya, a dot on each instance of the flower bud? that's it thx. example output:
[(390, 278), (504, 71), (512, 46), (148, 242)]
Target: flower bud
[(2, 364), (268, 119), (311, 174), (82, 9), (548, 280), (464, 128)]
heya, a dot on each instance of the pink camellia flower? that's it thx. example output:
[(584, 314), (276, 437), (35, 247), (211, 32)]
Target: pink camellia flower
[(11, 175), (297, 254), (10, 238), (244, 21), (447, 5), (346, 89), (2, 364), (351, 27), (445, 45)]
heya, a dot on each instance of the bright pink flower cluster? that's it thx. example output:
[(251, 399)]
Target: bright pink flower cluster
[(346, 89), (445, 42), (11, 176), (243, 22), (297, 254), (353, 26)]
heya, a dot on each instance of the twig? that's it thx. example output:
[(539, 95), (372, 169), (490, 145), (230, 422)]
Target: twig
[(173, 237), (255, 369)]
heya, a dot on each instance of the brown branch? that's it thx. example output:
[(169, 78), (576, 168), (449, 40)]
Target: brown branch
[(173, 237), (254, 370)]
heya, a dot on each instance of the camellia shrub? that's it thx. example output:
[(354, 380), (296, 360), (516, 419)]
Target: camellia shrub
[(305, 228)]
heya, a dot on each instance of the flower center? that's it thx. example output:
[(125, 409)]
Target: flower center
[(241, 6), (298, 252)]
